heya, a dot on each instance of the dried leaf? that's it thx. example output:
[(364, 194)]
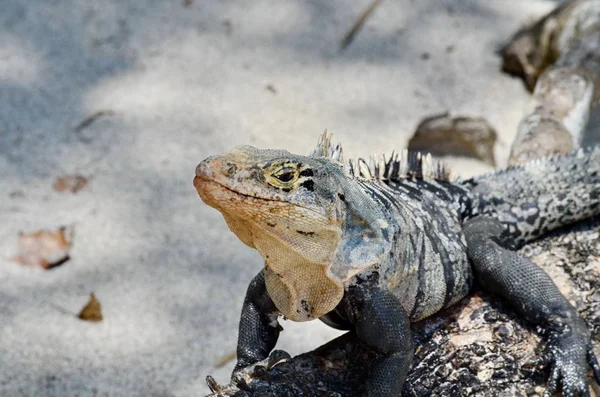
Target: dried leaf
[(45, 248), (455, 135), (71, 183), (92, 311)]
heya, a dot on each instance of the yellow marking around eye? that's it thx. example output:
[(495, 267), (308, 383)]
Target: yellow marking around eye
[(277, 171)]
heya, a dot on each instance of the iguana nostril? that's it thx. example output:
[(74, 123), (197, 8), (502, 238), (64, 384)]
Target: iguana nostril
[(201, 169), (210, 167)]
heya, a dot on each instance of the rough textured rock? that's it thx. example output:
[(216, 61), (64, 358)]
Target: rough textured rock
[(462, 136), (479, 347), (559, 59)]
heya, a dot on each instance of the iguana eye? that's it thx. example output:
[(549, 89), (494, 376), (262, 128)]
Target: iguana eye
[(283, 176), (286, 174)]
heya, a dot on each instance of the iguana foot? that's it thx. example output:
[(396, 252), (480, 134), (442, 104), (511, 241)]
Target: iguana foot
[(572, 354)]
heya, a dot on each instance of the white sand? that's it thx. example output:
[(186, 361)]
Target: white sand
[(184, 83)]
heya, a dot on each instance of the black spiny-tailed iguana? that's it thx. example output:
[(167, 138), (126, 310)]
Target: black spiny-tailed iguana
[(373, 247)]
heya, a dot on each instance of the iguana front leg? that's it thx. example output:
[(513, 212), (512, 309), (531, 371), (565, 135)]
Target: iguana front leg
[(377, 317), (380, 322), (531, 291), (259, 328)]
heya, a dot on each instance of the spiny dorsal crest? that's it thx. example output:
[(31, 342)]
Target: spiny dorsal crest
[(403, 165), (326, 148)]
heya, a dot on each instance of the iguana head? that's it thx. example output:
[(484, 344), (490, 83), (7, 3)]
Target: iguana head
[(310, 221)]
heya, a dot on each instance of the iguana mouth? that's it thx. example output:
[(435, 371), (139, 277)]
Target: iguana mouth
[(200, 183)]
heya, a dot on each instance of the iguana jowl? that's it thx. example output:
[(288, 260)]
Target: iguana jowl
[(373, 247)]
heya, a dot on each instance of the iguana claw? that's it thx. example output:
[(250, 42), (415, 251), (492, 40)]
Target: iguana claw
[(570, 364)]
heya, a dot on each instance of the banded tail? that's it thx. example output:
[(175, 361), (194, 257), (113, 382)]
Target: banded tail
[(537, 197)]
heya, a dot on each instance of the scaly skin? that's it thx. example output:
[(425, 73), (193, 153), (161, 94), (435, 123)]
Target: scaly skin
[(375, 247)]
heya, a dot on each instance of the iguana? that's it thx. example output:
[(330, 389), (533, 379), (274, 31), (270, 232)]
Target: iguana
[(373, 246)]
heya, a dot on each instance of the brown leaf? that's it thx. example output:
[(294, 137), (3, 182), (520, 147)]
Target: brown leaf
[(71, 183), (444, 134), (92, 311), (45, 248)]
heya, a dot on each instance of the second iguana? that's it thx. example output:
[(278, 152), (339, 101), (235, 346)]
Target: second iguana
[(373, 246)]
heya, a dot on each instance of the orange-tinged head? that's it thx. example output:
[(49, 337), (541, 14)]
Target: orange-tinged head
[(293, 209)]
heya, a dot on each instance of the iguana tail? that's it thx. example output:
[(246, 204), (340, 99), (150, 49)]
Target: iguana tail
[(539, 196)]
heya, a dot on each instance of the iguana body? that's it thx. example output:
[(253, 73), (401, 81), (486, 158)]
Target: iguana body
[(374, 247)]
